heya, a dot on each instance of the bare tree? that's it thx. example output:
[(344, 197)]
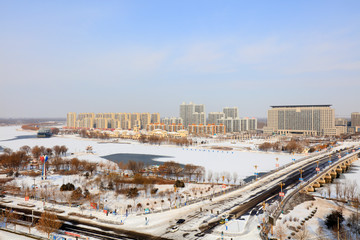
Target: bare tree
[(48, 223), (337, 188), (228, 177), (189, 170), (235, 177), (217, 177), (36, 152), (135, 167), (320, 233), (64, 150), (200, 171), (57, 150), (280, 232), (209, 175), (303, 234), (328, 190), (26, 149), (352, 190)]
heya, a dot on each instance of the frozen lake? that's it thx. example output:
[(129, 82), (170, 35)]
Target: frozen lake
[(242, 162)]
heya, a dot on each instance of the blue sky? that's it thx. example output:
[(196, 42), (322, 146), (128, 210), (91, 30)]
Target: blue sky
[(150, 56)]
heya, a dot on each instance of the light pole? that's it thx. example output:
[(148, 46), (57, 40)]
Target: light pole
[(317, 167), (256, 173), (281, 192), (301, 178)]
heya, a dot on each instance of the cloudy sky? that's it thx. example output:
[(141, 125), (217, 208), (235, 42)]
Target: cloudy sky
[(150, 56)]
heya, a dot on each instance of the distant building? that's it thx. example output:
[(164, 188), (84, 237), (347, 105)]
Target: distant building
[(228, 123), (213, 117), (155, 118), (44, 133), (123, 121), (210, 129), (315, 120), (192, 113), (71, 120), (152, 126), (231, 112), (172, 120), (355, 119), (248, 124)]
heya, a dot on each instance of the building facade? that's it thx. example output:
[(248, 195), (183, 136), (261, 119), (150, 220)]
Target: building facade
[(213, 117), (231, 112), (124, 121), (355, 119), (192, 113), (315, 120), (71, 120)]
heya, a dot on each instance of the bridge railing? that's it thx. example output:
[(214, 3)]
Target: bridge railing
[(280, 208)]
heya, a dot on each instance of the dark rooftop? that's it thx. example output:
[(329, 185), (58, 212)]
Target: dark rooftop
[(294, 106)]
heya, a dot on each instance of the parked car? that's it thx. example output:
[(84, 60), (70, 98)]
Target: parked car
[(180, 221), (174, 229)]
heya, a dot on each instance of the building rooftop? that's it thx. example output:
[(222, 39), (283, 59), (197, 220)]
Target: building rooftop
[(296, 106)]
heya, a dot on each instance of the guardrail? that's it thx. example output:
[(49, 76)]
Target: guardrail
[(280, 208)]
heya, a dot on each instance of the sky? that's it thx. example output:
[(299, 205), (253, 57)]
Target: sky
[(150, 56)]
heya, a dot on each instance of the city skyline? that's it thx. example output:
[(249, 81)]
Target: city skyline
[(151, 56)]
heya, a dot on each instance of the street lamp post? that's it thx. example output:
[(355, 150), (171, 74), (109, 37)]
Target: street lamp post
[(281, 191), (317, 167), (256, 173), (301, 178)]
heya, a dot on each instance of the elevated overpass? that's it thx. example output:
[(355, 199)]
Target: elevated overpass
[(331, 172)]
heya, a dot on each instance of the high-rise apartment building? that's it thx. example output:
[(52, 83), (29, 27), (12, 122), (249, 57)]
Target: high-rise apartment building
[(71, 120), (192, 113), (228, 123), (355, 119), (155, 118), (231, 112), (134, 120), (145, 119), (199, 118), (81, 116), (301, 119), (111, 120), (214, 116), (211, 129), (248, 124), (172, 120), (341, 122), (101, 123)]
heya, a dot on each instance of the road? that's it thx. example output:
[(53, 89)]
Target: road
[(209, 213), (244, 200)]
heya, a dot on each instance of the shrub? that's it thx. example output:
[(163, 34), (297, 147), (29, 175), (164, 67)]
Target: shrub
[(67, 187), (132, 193), (331, 220), (154, 190), (179, 183)]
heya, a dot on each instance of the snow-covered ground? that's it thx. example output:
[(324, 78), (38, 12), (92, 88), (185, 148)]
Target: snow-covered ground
[(324, 207), (242, 162), (351, 177)]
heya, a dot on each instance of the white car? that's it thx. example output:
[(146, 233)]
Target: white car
[(174, 229)]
